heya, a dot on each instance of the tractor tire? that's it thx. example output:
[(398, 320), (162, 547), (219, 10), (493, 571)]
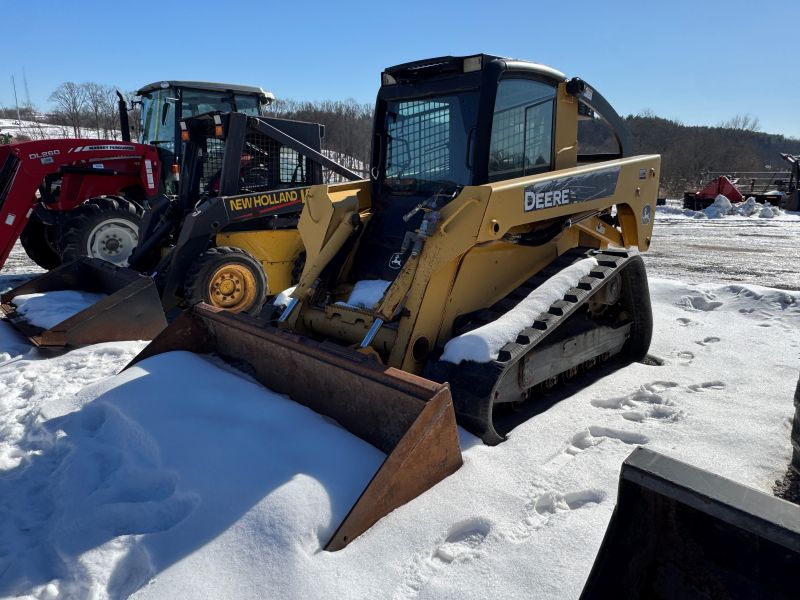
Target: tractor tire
[(227, 278), (105, 227), (38, 243)]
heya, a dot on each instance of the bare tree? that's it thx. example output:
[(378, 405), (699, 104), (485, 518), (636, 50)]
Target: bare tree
[(742, 123), (70, 101), (96, 103)]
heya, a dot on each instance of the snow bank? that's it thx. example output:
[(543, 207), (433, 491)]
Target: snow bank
[(768, 212), (484, 344), (722, 208), (367, 293), (51, 308), (156, 464)]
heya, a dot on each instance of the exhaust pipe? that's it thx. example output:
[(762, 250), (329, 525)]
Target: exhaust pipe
[(409, 418), (130, 311)]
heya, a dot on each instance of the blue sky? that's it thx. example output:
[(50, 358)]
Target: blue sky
[(700, 62)]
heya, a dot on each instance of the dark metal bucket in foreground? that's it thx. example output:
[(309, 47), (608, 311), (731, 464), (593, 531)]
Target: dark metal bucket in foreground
[(130, 311), (409, 418), (679, 531)]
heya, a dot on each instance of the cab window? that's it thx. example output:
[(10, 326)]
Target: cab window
[(521, 142), (158, 119), (248, 105), (198, 102)]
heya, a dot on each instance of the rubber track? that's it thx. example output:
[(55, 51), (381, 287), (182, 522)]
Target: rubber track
[(474, 383)]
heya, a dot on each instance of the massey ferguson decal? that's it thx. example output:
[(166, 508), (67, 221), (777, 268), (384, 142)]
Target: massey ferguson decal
[(262, 203), (571, 190), (125, 147)]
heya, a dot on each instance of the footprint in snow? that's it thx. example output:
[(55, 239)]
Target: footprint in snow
[(543, 506), (685, 322), (707, 341), (702, 302), (708, 385), (685, 357), (462, 540), (648, 402), (462, 543), (594, 435)]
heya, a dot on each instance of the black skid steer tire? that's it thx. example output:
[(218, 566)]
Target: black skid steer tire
[(105, 227), (228, 278), (636, 298), (38, 243)]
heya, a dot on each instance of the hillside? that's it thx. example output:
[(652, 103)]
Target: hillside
[(687, 152)]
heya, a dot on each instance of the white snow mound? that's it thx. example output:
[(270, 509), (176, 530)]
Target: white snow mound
[(283, 298), (720, 208), (163, 459), (367, 293), (484, 343), (48, 309), (768, 212)]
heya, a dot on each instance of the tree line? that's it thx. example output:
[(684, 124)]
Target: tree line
[(86, 109), (348, 127), (688, 153)]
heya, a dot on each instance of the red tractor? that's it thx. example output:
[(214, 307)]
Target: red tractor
[(42, 184), (68, 198)]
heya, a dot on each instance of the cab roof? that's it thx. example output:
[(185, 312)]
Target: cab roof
[(210, 86), (443, 65)]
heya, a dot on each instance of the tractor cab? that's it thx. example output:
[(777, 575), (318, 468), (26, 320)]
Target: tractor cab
[(165, 103), (449, 122)]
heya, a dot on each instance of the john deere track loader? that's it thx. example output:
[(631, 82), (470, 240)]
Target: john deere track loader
[(229, 238), (485, 220)]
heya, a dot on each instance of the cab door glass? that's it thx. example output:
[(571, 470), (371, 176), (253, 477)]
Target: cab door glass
[(198, 102), (521, 142), (158, 119), (248, 105)]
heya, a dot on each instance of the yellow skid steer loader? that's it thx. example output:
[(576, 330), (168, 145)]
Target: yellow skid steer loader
[(491, 250)]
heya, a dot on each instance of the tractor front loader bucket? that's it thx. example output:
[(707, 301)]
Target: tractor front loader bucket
[(681, 532), (131, 309), (409, 418)]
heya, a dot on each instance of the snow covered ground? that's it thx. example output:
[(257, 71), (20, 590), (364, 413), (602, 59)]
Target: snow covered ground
[(41, 131), (161, 483), (46, 310), (732, 249)]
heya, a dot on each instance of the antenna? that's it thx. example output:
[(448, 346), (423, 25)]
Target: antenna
[(16, 102), (27, 93)]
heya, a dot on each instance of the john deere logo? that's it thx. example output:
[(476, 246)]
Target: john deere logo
[(396, 261), (647, 212)]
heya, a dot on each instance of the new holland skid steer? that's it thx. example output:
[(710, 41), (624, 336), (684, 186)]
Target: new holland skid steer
[(482, 202), (229, 238)]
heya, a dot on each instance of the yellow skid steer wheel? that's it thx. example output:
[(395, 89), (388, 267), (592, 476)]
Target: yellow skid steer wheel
[(228, 278)]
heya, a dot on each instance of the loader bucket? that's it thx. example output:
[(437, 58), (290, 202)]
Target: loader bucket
[(681, 532), (409, 418), (130, 311)]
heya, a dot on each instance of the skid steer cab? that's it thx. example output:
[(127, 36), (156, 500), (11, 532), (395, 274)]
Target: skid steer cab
[(492, 252), (229, 238), (163, 105)]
